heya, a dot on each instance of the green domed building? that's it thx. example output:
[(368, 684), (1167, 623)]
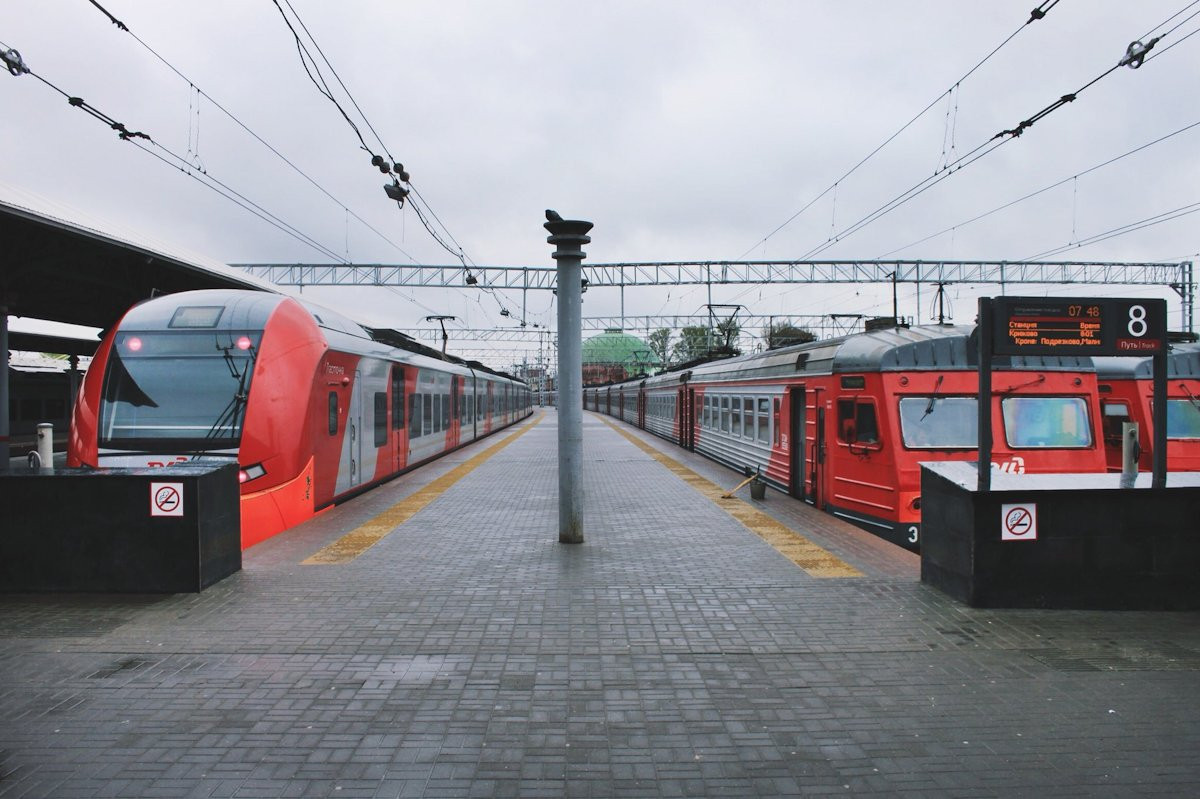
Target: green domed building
[(615, 355)]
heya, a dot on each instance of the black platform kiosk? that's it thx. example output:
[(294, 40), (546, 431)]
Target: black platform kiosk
[(166, 530), (1072, 540)]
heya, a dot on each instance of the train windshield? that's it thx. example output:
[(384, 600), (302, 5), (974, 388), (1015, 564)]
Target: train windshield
[(1183, 418), (1046, 422), (939, 422), (181, 391)]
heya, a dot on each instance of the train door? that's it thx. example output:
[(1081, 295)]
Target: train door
[(355, 431), (818, 458), (687, 425), (641, 408), (399, 434), (797, 441)]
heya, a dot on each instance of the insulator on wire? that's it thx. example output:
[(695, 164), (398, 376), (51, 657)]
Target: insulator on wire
[(381, 162), (14, 62), (1135, 54)]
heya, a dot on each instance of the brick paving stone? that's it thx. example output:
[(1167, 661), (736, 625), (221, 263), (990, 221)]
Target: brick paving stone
[(674, 653)]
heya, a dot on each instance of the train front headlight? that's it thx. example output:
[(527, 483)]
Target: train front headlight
[(251, 473)]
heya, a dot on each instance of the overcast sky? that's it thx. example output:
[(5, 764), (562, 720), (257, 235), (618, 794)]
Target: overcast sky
[(683, 130)]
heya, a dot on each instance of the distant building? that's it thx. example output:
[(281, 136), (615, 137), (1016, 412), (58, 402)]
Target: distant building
[(615, 355)]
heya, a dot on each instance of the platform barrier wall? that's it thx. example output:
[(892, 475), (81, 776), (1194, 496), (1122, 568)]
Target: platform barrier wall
[(1098, 545), (120, 530)]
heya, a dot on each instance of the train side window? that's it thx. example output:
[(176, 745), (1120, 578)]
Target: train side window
[(939, 422), (446, 415), (1115, 414), (735, 416), (397, 398), (775, 423), (857, 422), (845, 420), (867, 423), (1046, 422), (333, 413), (381, 425), (724, 414), (764, 419), (414, 415), (749, 417), (1183, 418)]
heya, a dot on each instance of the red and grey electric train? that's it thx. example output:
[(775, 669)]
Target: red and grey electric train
[(844, 423), (1127, 395), (307, 402)]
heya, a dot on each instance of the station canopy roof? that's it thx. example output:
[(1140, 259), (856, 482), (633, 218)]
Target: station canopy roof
[(61, 270)]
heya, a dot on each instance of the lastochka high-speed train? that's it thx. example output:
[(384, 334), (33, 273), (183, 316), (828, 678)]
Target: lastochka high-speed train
[(844, 423), (312, 408)]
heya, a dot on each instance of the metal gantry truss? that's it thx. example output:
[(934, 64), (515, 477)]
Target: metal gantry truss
[(824, 326), (1176, 275)]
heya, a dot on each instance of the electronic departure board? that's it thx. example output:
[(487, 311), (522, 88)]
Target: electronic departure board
[(1078, 326)]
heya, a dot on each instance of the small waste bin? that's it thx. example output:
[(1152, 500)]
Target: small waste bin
[(758, 490)]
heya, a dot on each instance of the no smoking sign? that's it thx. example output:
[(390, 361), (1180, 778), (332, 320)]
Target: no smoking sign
[(1018, 522), (166, 499)]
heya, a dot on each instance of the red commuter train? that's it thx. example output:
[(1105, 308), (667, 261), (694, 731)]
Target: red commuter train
[(1127, 395), (311, 406), (844, 423)]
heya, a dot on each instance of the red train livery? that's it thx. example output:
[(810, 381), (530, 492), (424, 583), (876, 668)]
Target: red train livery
[(307, 402), (1127, 394), (844, 423)]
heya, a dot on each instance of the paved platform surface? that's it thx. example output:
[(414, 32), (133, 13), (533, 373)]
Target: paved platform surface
[(674, 654)]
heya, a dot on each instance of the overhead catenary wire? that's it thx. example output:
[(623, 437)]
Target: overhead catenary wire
[(396, 170), (981, 151), (1150, 221), (1042, 190), (312, 39), (183, 164), (1038, 13), (321, 84), (234, 118), (206, 179), (1178, 41)]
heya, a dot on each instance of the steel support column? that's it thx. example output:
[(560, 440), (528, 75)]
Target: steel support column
[(568, 236)]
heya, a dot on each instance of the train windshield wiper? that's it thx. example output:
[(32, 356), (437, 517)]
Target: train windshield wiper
[(230, 416), (933, 399), (1191, 397)]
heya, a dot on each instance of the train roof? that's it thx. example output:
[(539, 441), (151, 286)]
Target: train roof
[(1183, 360), (893, 349), (251, 309)]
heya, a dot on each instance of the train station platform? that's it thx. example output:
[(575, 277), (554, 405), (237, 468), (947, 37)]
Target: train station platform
[(433, 639)]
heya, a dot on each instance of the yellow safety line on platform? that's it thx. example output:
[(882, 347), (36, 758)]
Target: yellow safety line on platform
[(359, 540), (799, 550)]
